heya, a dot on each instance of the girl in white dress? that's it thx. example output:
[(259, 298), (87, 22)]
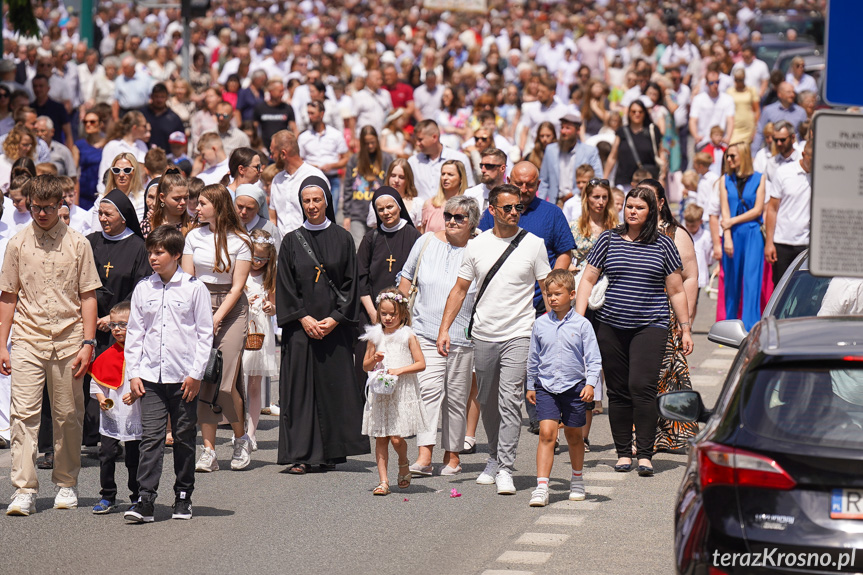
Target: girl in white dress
[(391, 418), (261, 291)]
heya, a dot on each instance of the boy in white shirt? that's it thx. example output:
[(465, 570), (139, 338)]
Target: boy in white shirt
[(120, 415), (169, 306), (692, 220)]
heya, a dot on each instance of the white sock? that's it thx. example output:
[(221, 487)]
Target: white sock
[(577, 476), (542, 482), (470, 440)]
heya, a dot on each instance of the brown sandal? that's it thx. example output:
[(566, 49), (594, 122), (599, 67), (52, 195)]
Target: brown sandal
[(382, 489), (404, 480)]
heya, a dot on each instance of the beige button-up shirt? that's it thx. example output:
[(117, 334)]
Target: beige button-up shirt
[(48, 270)]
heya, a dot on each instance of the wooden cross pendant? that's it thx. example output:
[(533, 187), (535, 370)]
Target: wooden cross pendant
[(108, 267), (317, 277), (391, 260)]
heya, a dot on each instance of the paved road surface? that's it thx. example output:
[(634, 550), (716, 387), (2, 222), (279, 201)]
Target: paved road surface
[(263, 520)]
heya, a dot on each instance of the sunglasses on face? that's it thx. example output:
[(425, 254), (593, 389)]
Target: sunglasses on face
[(598, 182), (481, 138), (519, 208), (490, 166), (4, 94), (117, 171), (459, 218), (223, 116), (731, 156), (713, 83), (780, 140), (90, 122), (117, 325)]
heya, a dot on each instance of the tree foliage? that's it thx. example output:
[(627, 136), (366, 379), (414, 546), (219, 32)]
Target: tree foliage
[(21, 17)]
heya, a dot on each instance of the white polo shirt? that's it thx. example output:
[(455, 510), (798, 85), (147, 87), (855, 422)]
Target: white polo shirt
[(320, 148), (793, 189), (285, 198), (427, 171), (710, 112)]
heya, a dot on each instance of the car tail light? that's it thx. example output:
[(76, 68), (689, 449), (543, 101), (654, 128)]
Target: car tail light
[(716, 571), (723, 465), (852, 358)]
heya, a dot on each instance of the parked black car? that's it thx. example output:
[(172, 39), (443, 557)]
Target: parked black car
[(776, 475)]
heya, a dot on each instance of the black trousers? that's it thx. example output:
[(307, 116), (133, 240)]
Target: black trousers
[(631, 360), (785, 255), (163, 400), (109, 450)]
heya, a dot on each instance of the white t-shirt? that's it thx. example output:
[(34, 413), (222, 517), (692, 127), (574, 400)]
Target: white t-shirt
[(710, 112), (285, 198), (506, 311), (572, 208), (793, 187), (201, 244), (214, 174), (707, 195), (703, 255)]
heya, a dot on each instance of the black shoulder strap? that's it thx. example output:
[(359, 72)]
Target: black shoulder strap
[(491, 273), (628, 133), (319, 265)]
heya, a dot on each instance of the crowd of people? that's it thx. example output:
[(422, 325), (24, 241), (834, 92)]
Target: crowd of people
[(412, 203)]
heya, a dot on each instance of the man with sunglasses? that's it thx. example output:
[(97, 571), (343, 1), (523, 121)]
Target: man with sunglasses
[(562, 158), (501, 325), (786, 152), (54, 318), (493, 168), (711, 108)]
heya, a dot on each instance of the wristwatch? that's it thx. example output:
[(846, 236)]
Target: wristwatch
[(91, 342)]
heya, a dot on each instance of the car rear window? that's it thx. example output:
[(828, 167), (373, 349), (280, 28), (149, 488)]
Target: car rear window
[(802, 296), (807, 405)]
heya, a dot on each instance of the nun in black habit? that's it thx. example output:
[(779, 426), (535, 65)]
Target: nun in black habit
[(316, 302)]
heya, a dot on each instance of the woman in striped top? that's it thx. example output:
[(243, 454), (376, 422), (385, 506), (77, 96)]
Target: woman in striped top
[(644, 274)]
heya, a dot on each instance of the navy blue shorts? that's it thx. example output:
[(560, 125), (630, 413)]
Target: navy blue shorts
[(566, 407)]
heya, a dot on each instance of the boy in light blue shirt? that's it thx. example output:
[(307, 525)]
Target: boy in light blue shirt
[(562, 371)]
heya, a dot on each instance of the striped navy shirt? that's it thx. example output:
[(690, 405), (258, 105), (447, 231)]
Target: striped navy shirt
[(636, 280)]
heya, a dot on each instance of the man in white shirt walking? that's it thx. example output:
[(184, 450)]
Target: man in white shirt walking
[(324, 147), (711, 108), (372, 105), (285, 209)]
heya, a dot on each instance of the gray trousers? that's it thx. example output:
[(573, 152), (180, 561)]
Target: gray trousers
[(501, 368), (444, 388)]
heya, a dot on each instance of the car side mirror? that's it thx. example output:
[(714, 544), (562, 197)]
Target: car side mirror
[(685, 406), (728, 332)]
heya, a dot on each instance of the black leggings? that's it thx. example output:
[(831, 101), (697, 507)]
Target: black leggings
[(631, 360)]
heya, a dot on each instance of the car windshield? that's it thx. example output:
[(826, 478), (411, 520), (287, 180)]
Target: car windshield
[(802, 296), (818, 406)]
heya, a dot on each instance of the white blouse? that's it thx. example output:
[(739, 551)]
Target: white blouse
[(201, 245)]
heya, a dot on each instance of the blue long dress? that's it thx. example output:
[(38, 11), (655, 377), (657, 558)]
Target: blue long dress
[(88, 167), (744, 271)]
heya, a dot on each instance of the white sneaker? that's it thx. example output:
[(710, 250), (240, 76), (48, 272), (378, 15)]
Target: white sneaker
[(539, 497), (242, 453), (23, 504), (487, 475), (66, 498), (576, 490), (207, 462), (275, 409), (254, 444), (505, 486)]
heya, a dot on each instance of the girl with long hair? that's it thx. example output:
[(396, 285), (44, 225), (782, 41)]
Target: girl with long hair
[(453, 182), (364, 174), (219, 253), (129, 135), (172, 195)]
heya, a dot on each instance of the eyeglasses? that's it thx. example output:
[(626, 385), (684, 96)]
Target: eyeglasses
[(459, 218), (598, 182), (49, 210), (481, 138), (117, 171), (780, 140), (490, 166), (258, 260), (90, 122), (510, 207), (713, 83), (117, 325), (223, 116), (256, 167), (731, 156), (4, 94)]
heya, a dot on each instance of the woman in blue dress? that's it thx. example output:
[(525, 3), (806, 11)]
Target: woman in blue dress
[(741, 196), (89, 157)]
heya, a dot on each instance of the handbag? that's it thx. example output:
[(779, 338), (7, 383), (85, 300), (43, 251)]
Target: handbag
[(379, 382), (597, 294), (213, 376), (412, 294), (254, 339)]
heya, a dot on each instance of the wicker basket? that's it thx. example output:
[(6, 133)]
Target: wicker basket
[(254, 339)]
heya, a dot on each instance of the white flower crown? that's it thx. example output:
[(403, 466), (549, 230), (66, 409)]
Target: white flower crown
[(270, 241), (389, 295)]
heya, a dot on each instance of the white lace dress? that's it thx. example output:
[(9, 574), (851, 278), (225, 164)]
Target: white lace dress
[(400, 414), (263, 361)]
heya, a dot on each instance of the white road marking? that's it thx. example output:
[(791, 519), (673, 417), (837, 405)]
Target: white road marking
[(576, 505), (543, 539), (573, 520), (524, 557), (706, 380), (592, 476), (715, 363)]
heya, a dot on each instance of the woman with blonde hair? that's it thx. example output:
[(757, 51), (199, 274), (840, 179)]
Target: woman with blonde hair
[(219, 253), (172, 194), (125, 174), (453, 182), (126, 136), (20, 143), (741, 200)]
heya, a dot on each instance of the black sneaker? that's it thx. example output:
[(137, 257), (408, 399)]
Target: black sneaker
[(140, 512), (182, 507), (46, 461), (533, 428)]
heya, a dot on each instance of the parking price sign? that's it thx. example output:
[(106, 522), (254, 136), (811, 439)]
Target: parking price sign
[(836, 241)]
